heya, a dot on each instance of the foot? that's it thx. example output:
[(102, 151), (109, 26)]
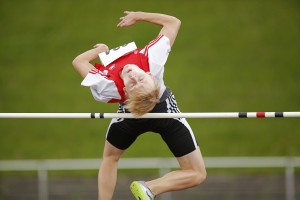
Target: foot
[(140, 191)]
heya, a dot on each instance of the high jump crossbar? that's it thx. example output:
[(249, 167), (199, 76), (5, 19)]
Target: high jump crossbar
[(155, 115)]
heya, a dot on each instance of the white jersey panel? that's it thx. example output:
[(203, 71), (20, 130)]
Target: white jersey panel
[(102, 89), (158, 51), (158, 74)]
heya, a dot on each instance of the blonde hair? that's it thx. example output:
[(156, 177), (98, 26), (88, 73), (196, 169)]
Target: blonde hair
[(141, 100)]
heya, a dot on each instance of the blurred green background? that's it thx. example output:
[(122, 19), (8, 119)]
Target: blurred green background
[(229, 56)]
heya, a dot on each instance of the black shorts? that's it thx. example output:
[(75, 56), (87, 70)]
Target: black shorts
[(176, 132)]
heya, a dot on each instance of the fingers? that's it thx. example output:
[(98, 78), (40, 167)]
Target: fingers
[(124, 20), (103, 47), (122, 23), (97, 45), (127, 12)]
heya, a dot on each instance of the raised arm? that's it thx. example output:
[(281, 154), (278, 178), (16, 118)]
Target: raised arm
[(82, 62), (170, 25)]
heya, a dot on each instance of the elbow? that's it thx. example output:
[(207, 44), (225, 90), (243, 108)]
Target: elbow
[(176, 22), (82, 66), (76, 63)]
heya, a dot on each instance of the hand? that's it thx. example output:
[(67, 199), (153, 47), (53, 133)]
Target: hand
[(102, 47), (129, 19)]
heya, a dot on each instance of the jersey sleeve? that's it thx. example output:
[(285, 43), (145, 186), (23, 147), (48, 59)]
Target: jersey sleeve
[(102, 89), (158, 50)]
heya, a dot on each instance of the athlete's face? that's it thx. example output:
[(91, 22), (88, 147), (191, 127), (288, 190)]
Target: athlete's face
[(134, 77)]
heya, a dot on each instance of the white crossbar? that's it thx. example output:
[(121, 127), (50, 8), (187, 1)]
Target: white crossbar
[(155, 115)]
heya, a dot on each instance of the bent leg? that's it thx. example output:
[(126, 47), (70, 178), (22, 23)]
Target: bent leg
[(107, 176), (192, 173)]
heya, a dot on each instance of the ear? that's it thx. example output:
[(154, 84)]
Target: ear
[(125, 91)]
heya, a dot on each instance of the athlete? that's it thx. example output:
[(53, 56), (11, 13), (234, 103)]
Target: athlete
[(135, 81)]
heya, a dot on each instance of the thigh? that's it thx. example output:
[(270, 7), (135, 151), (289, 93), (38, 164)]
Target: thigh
[(121, 133), (178, 135), (110, 151), (176, 132), (193, 160)]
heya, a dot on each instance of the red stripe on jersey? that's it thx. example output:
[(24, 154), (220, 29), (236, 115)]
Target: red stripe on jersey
[(152, 43), (93, 71), (99, 66)]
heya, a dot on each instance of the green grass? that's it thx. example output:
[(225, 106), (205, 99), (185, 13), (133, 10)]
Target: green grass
[(229, 56)]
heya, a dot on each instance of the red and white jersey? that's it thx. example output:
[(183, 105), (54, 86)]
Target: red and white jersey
[(105, 82)]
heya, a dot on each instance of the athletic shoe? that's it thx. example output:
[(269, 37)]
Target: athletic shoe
[(140, 191)]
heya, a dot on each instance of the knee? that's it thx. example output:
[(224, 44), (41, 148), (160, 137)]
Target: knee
[(111, 158), (199, 177), (111, 154)]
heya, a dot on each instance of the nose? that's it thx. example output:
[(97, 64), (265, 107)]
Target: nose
[(132, 76)]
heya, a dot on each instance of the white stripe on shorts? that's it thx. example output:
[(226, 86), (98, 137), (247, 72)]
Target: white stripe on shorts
[(172, 108)]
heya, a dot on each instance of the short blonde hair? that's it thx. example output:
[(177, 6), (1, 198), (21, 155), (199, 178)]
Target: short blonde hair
[(141, 100)]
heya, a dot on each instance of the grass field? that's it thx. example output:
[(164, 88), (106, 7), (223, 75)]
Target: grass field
[(230, 55)]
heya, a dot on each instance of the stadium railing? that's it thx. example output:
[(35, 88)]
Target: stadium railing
[(162, 164)]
